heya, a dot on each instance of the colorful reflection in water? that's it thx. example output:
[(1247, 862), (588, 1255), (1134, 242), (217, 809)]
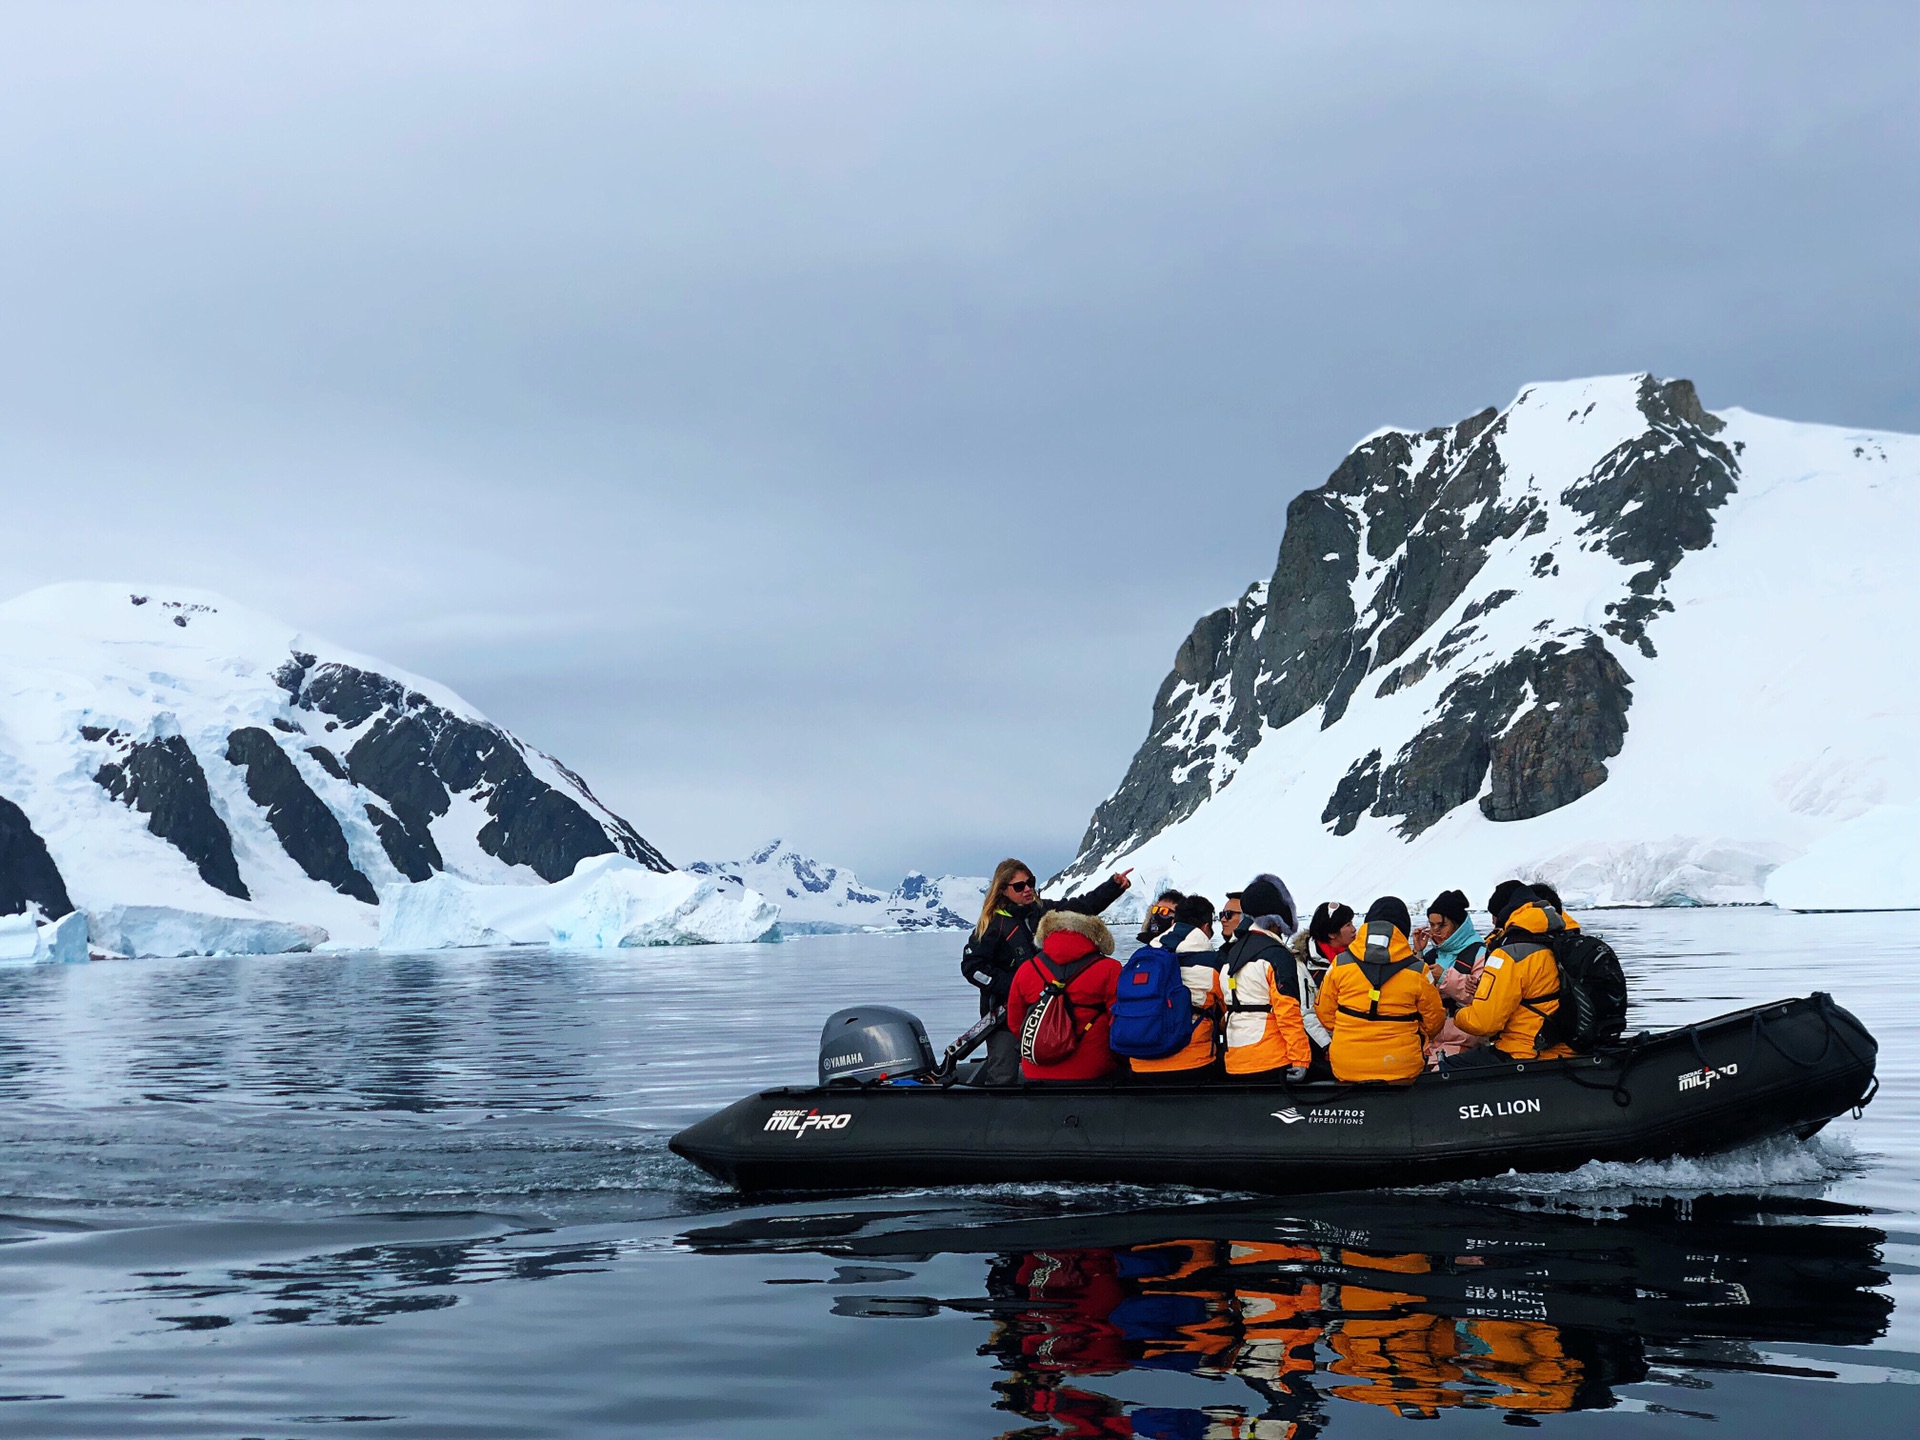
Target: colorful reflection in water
[(1413, 1305)]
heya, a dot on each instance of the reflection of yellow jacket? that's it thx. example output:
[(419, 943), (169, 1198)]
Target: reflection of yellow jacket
[(1403, 1361), (1526, 1356), (1519, 988), (1378, 1034)]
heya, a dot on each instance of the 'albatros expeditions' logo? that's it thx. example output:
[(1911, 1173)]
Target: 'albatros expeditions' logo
[(799, 1122), (1325, 1115)]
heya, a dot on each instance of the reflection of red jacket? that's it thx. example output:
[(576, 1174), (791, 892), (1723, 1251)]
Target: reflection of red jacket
[(1076, 1338), (1091, 993)]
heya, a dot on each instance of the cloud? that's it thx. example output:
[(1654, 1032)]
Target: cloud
[(828, 420)]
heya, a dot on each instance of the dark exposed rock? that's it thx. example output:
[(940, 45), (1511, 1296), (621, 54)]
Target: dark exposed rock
[(394, 759), (413, 853), (416, 755), (1652, 499), (292, 675), (535, 825), (1558, 750), (1357, 790), (327, 761), (1493, 600), (1411, 673), (1552, 756), (306, 827), (163, 781), (1400, 530), (286, 727), (27, 872)]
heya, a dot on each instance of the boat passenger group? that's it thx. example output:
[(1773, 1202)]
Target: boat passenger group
[(1245, 993)]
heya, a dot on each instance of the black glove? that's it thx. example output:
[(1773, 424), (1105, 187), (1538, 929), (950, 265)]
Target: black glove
[(1297, 1073)]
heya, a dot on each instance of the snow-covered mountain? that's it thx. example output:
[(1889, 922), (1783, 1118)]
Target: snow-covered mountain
[(196, 776), (818, 898), (1602, 637)]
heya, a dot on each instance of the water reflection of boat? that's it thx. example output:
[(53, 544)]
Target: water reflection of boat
[(1417, 1304), (1779, 1069)]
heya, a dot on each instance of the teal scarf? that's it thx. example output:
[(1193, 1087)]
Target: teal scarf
[(1450, 948)]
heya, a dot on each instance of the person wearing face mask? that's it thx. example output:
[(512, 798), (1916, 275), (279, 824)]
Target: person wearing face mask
[(1003, 941), (1259, 980)]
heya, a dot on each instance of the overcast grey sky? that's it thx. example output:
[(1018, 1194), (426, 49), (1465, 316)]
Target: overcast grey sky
[(826, 420)]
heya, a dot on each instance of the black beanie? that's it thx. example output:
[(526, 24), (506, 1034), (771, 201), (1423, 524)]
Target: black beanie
[(1449, 905), (1393, 910), (1330, 919), (1268, 896), (1508, 896)]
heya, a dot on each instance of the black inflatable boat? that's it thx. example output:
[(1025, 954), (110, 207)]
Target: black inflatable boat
[(1784, 1068)]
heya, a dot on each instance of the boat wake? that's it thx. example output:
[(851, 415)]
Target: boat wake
[(1768, 1165)]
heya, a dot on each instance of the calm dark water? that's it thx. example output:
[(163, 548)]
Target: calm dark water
[(429, 1196)]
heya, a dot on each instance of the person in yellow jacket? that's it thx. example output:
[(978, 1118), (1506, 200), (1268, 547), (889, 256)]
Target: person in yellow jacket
[(1520, 987), (1377, 1002)]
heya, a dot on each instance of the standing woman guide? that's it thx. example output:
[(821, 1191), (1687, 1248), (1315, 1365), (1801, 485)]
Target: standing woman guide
[(1003, 941)]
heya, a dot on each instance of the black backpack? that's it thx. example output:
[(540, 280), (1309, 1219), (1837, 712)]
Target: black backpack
[(1592, 994)]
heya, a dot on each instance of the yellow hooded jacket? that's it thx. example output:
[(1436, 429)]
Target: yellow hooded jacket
[(1519, 988), (1378, 1034)]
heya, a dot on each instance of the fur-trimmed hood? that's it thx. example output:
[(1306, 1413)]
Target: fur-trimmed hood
[(1087, 925)]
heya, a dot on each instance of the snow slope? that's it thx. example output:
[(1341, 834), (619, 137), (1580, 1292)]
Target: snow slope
[(197, 777), (1677, 653), (818, 898)]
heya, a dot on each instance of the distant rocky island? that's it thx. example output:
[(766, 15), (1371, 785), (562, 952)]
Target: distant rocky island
[(1603, 637)]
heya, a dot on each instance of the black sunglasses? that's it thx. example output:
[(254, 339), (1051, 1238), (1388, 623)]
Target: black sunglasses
[(1020, 885)]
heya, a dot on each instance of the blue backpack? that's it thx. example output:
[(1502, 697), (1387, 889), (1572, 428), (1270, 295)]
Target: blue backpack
[(1152, 1011)]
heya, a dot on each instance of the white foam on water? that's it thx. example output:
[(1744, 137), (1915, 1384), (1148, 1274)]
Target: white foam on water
[(1766, 1165)]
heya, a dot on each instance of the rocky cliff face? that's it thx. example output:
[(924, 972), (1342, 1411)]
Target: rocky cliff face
[(1461, 612), (176, 751)]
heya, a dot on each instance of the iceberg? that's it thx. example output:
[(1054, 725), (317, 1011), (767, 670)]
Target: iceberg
[(161, 930), (608, 902), (1871, 862), (30, 940)]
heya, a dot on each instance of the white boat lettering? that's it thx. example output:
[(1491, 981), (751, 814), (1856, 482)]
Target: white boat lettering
[(799, 1122), (1499, 1107), (1703, 1078), (852, 1057)]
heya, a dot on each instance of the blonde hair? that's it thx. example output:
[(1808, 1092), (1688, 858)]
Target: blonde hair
[(1002, 873)]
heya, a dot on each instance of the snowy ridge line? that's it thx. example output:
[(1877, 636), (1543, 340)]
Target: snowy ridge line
[(818, 898), (1592, 638), (193, 777)]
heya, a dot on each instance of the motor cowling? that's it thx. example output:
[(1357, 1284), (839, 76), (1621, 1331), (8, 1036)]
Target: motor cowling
[(867, 1043)]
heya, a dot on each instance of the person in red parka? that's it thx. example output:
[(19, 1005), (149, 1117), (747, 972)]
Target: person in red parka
[(1079, 950)]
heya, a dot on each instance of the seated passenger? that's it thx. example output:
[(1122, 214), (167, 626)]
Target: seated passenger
[(1159, 917), (1315, 948), (1519, 986), (1377, 1001), (1077, 950), (1452, 946), (1259, 980), (1191, 939), (1457, 954)]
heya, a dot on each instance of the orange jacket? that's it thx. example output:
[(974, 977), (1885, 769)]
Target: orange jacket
[(1260, 980), (1517, 989), (1379, 1034)]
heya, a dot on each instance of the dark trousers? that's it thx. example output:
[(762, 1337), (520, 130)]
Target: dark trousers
[(1003, 1059)]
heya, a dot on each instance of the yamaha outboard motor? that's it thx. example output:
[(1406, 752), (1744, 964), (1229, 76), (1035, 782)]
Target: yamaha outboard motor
[(873, 1042)]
